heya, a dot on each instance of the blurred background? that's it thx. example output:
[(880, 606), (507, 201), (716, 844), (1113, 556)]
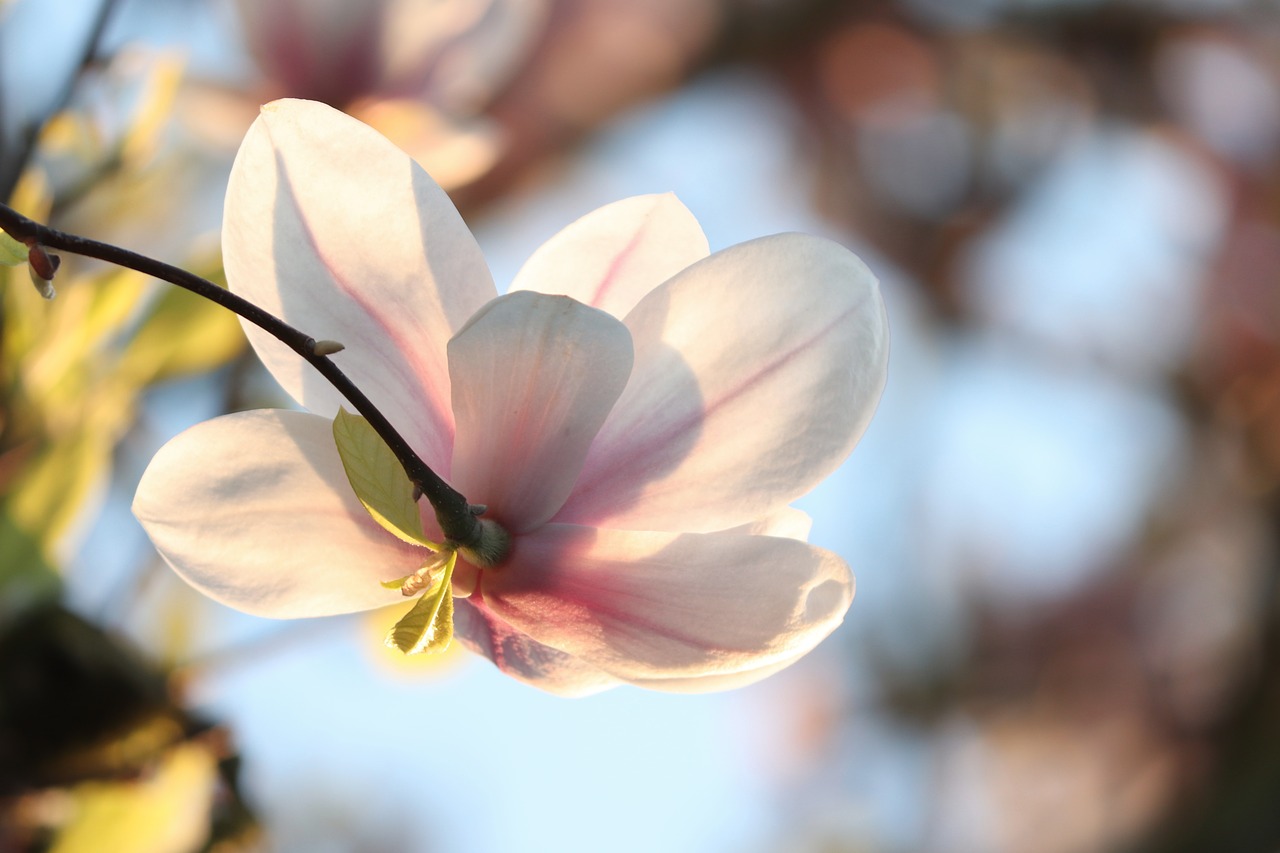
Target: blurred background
[(1063, 519)]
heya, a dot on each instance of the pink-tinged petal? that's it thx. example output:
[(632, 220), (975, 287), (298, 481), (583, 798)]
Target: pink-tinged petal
[(785, 521), (646, 606), (534, 376), (522, 658), (612, 257), (330, 50), (332, 227), (756, 372), (255, 511)]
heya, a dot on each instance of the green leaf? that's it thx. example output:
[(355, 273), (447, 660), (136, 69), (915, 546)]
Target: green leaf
[(167, 808), (377, 478), (12, 252), (428, 627), (182, 334), (27, 577), (56, 488)]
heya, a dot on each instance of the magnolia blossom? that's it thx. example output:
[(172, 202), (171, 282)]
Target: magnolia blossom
[(635, 413), (418, 71), (454, 53)]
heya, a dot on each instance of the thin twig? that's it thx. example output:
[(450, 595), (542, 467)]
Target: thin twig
[(457, 520)]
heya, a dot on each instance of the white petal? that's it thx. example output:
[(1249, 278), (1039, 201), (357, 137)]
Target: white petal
[(716, 682), (612, 257), (332, 227), (534, 376), (756, 372), (646, 606), (522, 658), (254, 510), (786, 521)]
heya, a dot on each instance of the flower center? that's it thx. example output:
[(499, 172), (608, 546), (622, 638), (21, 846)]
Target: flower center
[(489, 547), (425, 577)]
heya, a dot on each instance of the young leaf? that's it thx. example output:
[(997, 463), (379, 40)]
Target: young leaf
[(377, 478), (428, 627), (12, 252)]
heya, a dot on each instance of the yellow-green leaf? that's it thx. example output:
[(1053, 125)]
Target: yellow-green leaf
[(26, 575), (378, 479), (59, 485), (166, 809), (182, 334), (159, 87), (428, 627), (12, 252)]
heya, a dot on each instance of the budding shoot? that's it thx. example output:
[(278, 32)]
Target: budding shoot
[(42, 266)]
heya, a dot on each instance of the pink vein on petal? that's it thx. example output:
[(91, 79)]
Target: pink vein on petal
[(639, 452), (420, 378), (492, 623), (560, 596), (611, 275)]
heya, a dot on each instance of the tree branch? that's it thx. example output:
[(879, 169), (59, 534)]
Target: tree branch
[(457, 520)]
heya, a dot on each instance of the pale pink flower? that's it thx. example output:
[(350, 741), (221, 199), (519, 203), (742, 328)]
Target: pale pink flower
[(453, 53), (636, 413), (421, 72)]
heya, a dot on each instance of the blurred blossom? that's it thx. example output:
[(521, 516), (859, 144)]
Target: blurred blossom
[(1202, 605), (929, 126), (1038, 781), (885, 82), (1223, 92), (1104, 257), (612, 51), (328, 51), (879, 73), (418, 71), (1237, 369), (1240, 336), (452, 53)]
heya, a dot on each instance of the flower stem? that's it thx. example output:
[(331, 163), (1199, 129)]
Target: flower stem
[(457, 520)]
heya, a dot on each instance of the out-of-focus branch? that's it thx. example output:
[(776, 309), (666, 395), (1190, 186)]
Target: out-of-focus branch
[(13, 162)]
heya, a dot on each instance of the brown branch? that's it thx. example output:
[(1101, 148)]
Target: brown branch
[(457, 519)]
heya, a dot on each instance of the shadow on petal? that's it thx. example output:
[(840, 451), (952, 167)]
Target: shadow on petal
[(523, 658), (647, 606), (620, 464), (381, 368)]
